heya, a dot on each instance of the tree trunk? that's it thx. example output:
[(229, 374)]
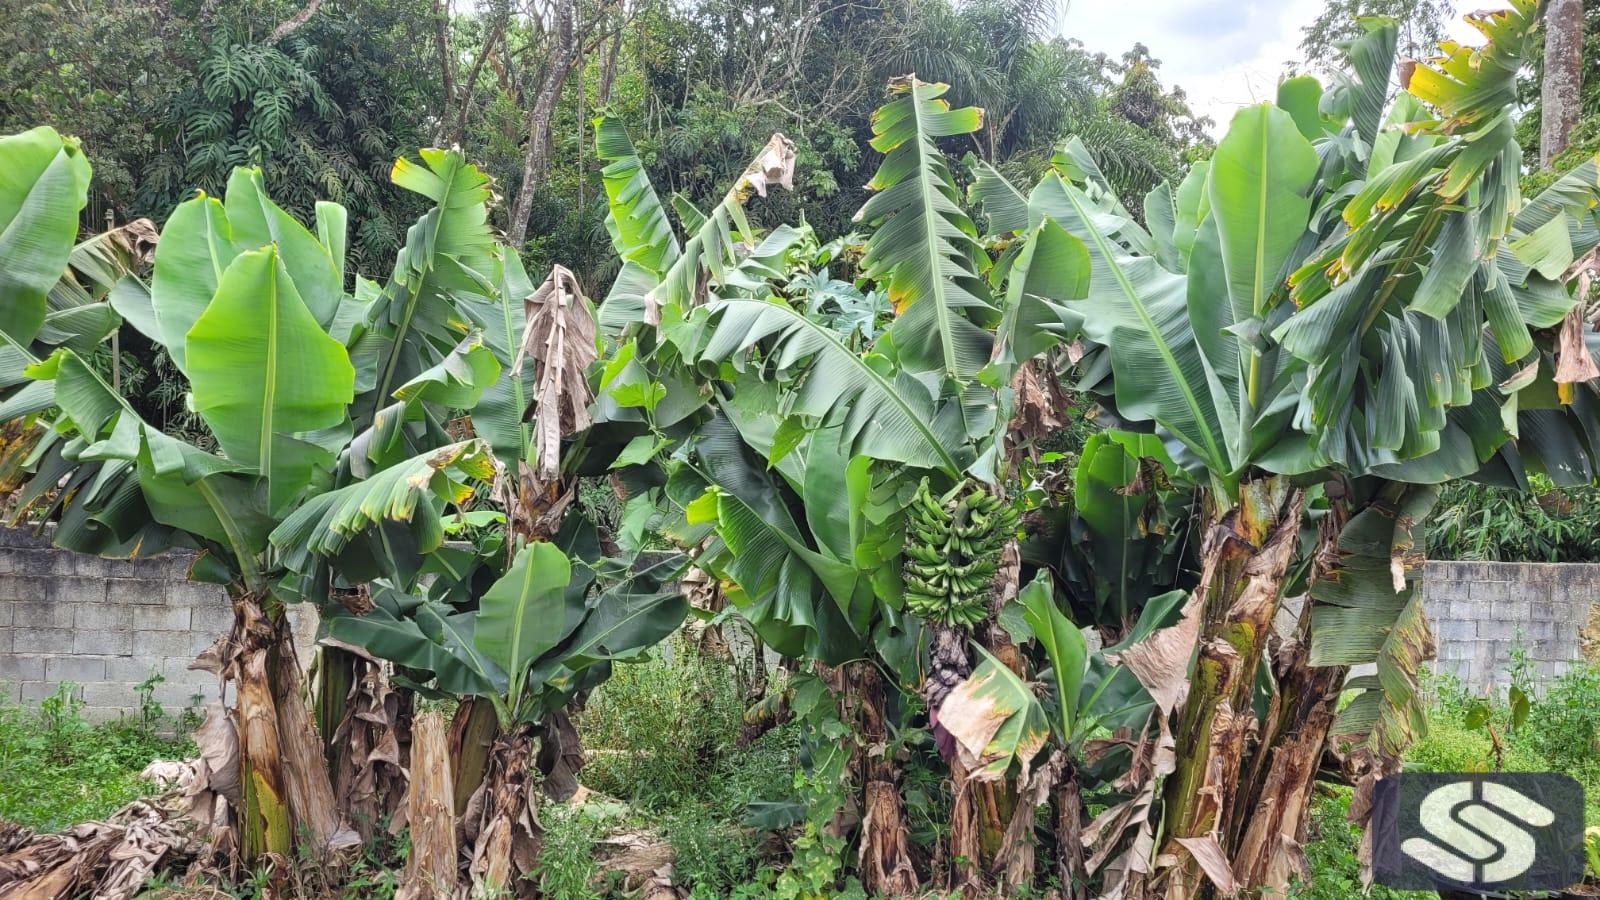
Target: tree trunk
[(286, 795), (885, 853), (608, 72), (536, 158), (431, 868), (501, 823), (441, 35), (472, 734), (1070, 870), (372, 743), (1244, 562), (1293, 739), (332, 676), (1563, 76)]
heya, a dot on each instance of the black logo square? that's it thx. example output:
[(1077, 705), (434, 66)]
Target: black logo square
[(1503, 831)]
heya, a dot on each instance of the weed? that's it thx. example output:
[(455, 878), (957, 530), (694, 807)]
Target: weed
[(657, 728), (57, 769), (1331, 856), (566, 864)]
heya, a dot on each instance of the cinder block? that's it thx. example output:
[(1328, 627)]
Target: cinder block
[(1492, 590), (10, 691), (34, 691), (1499, 630), (99, 715), (136, 592), (176, 669), (1443, 589), (73, 589), (1455, 649), (135, 568), (1581, 593), (1512, 611), (1547, 610), (41, 614), (153, 644), (175, 697), (1542, 630), (42, 640), (112, 694), (6, 606), (131, 669), (1554, 650), (1456, 631), (211, 620), (160, 618), (5, 640), (21, 668), (100, 616), (111, 642), (193, 593), (76, 669), (28, 563)]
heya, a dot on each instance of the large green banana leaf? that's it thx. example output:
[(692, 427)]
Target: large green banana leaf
[(1139, 311), (888, 416), (44, 184), (448, 254), (272, 385), (924, 248), (325, 524), (1369, 609), (525, 613), (640, 231)]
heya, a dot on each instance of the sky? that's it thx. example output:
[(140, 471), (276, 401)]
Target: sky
[(1226, 54)]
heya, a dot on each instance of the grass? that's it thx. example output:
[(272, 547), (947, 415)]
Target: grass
[(57, 770)]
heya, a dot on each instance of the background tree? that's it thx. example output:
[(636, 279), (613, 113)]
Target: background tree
[(1561, 82), (1421, 26)]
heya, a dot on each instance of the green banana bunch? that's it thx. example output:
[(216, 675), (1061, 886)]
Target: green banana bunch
[(953, 547)]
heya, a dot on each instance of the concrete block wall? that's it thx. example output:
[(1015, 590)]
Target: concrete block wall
[(104, 626), (107, 625), (1481, 610)]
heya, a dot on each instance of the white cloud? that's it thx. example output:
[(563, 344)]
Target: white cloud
[(1226, 54)]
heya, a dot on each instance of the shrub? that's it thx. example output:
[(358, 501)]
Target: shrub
[(656, 730)]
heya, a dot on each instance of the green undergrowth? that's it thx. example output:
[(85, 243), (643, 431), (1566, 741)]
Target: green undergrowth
[(56, 769), (662, 740), (1548, 727)]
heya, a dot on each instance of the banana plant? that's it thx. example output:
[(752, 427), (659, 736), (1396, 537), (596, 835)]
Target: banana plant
[(850, 499), (250, 305), (1341, 296)]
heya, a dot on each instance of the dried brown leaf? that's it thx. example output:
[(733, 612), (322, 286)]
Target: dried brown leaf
[(1212, 861), (560, 338)]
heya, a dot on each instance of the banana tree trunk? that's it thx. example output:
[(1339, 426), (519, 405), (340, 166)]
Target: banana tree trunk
[(501, 823), (1071, 872), (1293, 740), (431, 868), (285, 791), (472, 734), (1244, 563), (949, 665), (370, 743), (886, 868), (332, 675)]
